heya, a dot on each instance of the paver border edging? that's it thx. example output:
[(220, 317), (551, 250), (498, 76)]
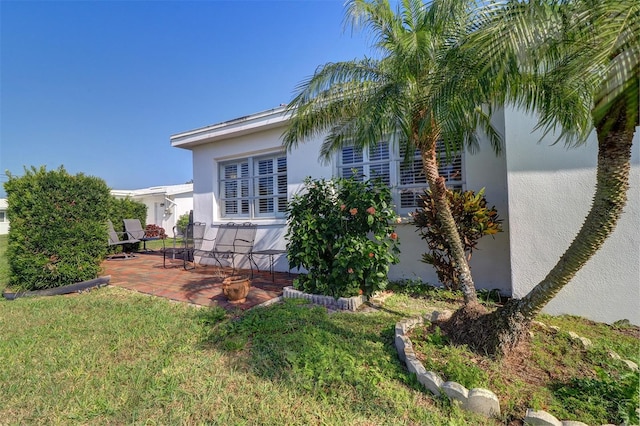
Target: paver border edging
[(477, 400), (342, 303)]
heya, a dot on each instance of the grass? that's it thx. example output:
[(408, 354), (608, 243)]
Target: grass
[(552, 372), (111, 356), (4, 264)]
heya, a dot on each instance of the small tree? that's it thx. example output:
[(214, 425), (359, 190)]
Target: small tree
[(473, 219), (342, 232)]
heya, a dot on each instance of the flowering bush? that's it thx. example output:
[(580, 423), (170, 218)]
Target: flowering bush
[(341, 231)]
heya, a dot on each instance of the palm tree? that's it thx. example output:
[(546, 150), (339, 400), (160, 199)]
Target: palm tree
[(363, 101), (575, 63)]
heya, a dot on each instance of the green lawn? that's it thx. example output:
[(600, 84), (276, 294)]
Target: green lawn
[(4, 265), (111, 356)]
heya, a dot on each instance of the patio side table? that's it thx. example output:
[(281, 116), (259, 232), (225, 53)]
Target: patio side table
[(272, 253)]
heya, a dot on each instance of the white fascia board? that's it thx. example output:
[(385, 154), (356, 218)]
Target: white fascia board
[(233, 128), (154, 190), (137, 192)]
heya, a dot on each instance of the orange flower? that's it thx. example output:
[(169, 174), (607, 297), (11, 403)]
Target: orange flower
[(371, 210), (350, 270), (342, 207), (353, 211), (371, 255), (393, 236)]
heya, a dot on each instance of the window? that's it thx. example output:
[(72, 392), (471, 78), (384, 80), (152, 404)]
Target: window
[(3, 217), (406, 178), (254, 187)]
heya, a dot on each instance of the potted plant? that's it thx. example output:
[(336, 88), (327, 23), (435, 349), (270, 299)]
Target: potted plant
[(236, 288)]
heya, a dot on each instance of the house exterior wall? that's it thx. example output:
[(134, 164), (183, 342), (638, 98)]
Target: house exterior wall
[(206, 159), (490, 263), (4, 219), (550, 189)]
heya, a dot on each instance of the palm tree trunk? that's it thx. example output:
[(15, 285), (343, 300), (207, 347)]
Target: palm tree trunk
[(448, 223), (502, 330)]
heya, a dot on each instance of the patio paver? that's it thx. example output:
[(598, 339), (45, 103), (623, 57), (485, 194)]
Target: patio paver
[(200, 286)]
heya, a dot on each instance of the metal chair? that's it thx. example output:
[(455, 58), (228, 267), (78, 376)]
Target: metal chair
[(183, 245), (133, 228), (231, 239), (115, 240)]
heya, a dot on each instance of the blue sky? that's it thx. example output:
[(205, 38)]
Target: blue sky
[(100, 86)]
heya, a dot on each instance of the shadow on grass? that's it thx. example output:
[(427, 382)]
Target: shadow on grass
[(343, 356)]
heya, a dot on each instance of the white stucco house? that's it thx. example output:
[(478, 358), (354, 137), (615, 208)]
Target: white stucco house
[(242, 173), (4, 219), (165, 204)]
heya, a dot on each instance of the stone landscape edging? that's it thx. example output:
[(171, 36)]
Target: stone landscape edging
[(342, 303), (478, 400)]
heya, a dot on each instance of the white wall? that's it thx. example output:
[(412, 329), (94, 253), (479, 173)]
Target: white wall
[(550, 193), (490, 264), (4, 225)]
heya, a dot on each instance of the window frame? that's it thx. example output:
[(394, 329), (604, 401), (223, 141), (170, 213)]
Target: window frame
[(252, 176), (396, 164)]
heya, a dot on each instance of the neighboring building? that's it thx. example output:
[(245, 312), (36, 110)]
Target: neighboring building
[(242, 173), (4, 219), (165, 204)]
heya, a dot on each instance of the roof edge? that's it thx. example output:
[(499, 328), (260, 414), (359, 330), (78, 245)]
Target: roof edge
[(232, 128)]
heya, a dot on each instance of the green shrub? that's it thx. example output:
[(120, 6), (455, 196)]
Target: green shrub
[(342, 232), (182, 222), (126, 208), (58, 228), (473, 219)]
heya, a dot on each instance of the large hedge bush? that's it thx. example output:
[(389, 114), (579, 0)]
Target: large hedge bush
[(342, 232), (58, 228)]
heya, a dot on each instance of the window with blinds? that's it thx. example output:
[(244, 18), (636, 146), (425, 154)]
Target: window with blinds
[(254, 187), (405, 177)]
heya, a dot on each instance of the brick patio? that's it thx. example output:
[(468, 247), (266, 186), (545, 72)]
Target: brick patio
[(200, 286)]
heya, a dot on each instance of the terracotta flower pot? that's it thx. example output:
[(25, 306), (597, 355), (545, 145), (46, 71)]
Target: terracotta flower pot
[(236, 288)]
